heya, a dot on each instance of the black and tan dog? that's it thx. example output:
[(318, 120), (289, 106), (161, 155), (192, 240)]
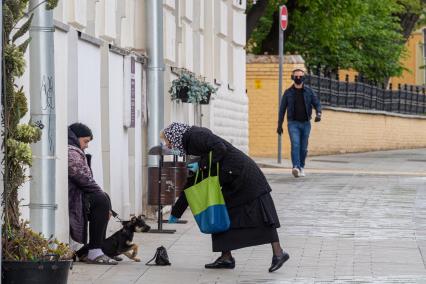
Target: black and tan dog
[(121, 242)]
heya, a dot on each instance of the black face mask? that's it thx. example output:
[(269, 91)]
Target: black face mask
[(299, 80)]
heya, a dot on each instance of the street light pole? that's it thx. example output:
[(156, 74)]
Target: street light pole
[(280, 86)]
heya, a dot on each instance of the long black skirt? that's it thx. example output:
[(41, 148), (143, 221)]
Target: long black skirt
[(252, 224)]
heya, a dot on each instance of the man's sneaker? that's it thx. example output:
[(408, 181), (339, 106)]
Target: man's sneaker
[(295, 172), (302, 172)]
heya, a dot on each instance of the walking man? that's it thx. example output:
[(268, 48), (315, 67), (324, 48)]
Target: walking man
[(298, 101)]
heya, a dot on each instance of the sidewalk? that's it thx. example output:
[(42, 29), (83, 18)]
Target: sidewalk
[(357, 217)]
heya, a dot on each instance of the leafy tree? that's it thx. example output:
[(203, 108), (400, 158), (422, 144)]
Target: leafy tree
[(367, 36)]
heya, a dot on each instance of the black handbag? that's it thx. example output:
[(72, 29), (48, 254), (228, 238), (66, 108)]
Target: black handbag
[(161, 257)]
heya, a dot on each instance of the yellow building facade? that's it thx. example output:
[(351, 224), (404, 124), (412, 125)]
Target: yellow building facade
[(340, 131)]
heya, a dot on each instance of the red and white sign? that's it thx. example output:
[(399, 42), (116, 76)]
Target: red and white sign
[(283, 17)]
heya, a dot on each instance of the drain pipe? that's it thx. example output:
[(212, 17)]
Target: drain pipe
[(1, 128), (155, 74), (42, 96)]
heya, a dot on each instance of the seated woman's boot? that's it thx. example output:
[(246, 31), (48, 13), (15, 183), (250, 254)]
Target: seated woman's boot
[(278, 261), (221, 263)]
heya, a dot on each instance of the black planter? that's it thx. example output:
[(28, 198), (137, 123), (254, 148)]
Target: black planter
[(183, 94), (37, 272), (206, 101)]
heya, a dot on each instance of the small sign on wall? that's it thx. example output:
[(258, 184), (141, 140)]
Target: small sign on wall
[(132, 92), (129, 92)]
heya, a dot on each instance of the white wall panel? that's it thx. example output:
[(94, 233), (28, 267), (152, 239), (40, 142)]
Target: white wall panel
[(135, 149), (223, 60), (239, 70), (221, 17), (127, 27), (60, 12), (169, 35), (188, 46), (118, 138), (89, 100), (170, 3), (188, 6), (77, 13), (239, 27), (106, 19), (61, 87)]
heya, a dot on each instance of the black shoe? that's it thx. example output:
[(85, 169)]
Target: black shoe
[(278, 261), (221, 263)]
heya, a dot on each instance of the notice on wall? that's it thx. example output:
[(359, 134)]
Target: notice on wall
[(132, 92), (143, 98)]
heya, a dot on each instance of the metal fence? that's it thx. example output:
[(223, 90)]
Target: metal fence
[(404, 99)]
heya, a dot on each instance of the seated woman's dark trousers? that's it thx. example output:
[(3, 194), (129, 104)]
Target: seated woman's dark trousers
[(99, 206)]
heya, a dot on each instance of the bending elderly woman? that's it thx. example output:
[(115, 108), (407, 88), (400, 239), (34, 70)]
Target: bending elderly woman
[(254, 220)]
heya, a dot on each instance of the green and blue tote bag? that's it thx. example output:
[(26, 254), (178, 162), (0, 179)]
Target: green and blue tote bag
[(207, 203)]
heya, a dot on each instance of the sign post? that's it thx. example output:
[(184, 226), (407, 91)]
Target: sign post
[(283, 22)]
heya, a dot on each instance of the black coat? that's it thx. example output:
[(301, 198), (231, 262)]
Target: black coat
[(241, 179)]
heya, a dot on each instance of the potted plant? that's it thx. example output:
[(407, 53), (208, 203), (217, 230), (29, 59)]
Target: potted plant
[(183, 87), (207, 91), (26, 255), (189, 89)]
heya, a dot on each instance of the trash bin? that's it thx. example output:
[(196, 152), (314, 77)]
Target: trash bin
[(173, 179)]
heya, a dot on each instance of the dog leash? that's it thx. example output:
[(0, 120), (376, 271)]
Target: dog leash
[(115, 215)]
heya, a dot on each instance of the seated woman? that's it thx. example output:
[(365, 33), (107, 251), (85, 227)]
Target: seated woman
[(86, 200), (254, 220)]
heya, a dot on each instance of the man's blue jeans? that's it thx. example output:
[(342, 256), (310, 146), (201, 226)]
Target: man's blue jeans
[(299, 136)]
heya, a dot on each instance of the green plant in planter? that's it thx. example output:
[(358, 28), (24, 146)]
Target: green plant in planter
[(206, 91), (19, 242), (185, 88), (189, 89)]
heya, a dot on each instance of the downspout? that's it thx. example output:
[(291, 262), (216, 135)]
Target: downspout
[(1, 127), (42, 96), (155, 74)]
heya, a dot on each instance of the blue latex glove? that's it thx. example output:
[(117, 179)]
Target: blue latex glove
[(193, 167), (175, 152), (172, 219)]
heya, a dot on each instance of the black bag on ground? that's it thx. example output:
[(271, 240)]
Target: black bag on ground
[(161, 257)]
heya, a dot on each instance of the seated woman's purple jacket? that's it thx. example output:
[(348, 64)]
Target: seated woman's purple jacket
[(80, 182)]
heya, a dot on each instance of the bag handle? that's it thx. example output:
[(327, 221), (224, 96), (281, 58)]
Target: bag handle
[(210, 164), (155, 255), (210, 168)]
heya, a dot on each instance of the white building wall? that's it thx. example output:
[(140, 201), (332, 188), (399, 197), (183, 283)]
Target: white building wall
[(203, 36), (61, 86), (89, 100), (229, 111)]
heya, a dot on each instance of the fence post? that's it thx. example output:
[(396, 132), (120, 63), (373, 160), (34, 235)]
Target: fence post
[(417, 100), (356, 90), (362, 89), (338, 89), (410, 100), (399, 98), (347, 89), (390, 98), (424, 100), (382, 97)]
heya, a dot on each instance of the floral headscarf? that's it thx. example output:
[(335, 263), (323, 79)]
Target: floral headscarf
[(174, 133)]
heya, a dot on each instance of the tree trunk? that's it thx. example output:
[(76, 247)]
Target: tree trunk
[(253, 16), (408, 23)]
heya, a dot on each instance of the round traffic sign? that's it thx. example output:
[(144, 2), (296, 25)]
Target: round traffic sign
[(283, 17)]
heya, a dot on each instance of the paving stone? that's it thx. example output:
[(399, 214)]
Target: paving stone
[(340, 227)]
